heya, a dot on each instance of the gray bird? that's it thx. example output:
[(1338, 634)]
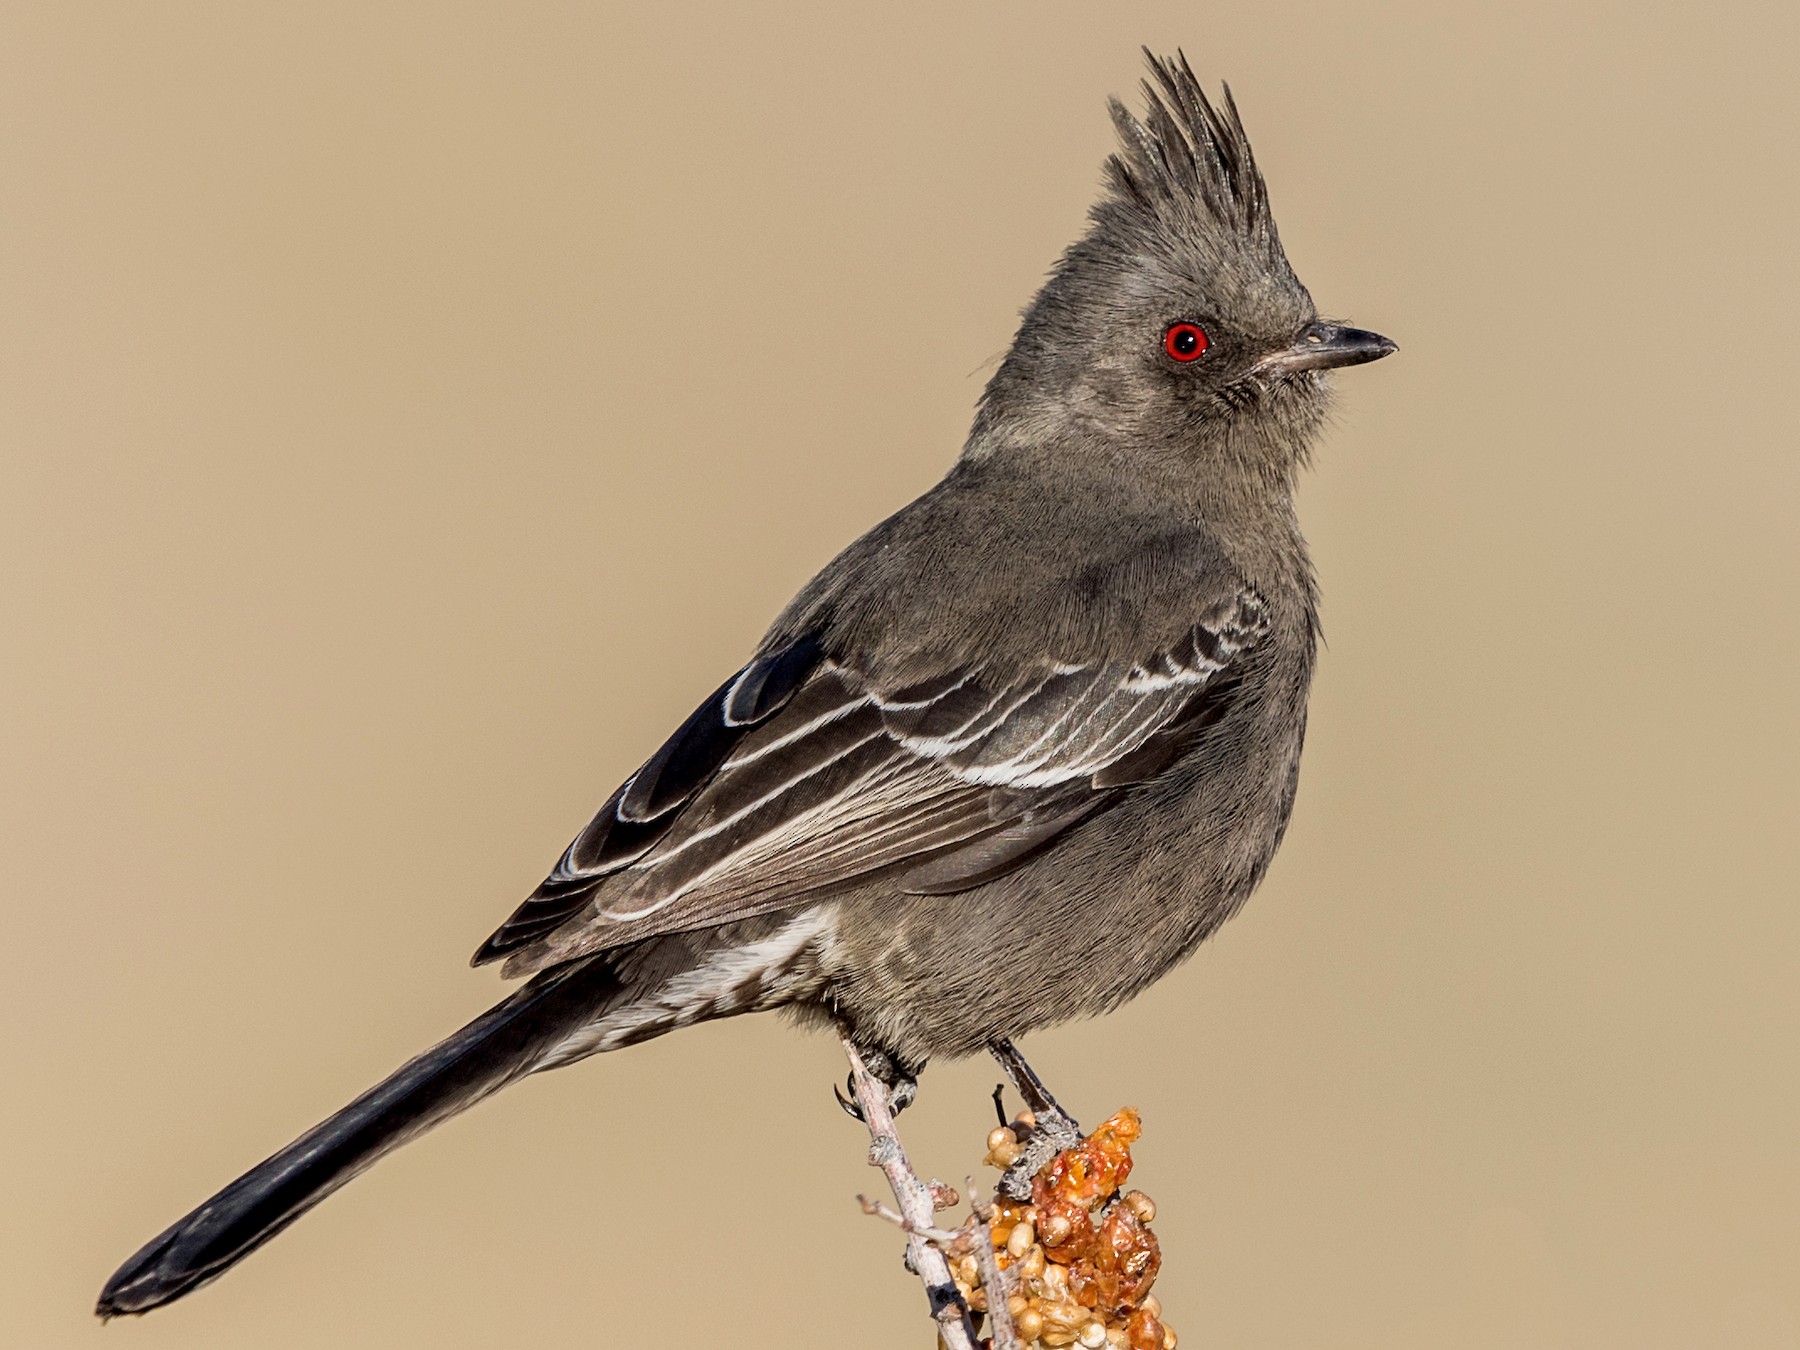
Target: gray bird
[(1007, 760)]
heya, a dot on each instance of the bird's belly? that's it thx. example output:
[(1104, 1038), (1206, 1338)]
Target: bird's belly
[(1079, 929)]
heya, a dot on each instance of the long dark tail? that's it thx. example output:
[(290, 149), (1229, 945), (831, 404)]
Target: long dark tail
[(503, 1044)]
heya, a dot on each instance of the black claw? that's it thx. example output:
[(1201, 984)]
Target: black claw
[(902, 1094), (849, 1103), (999, 1105)]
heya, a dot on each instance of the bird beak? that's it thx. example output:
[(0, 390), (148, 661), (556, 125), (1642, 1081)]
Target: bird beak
[(1325, 346)]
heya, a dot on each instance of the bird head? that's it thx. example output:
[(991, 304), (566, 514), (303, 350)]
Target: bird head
[(1175, 325)]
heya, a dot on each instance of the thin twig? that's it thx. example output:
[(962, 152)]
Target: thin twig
[(950, 1239), (1000, 1322), (914, 1199)]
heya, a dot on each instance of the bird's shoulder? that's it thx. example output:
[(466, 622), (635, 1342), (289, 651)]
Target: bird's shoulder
[(1003, 567)]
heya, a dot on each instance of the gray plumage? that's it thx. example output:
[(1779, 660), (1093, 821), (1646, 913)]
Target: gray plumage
[(1008, 758)]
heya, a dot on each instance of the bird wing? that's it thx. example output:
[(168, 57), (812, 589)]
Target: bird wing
[(802, 774)]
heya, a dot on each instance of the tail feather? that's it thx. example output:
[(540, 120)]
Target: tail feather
[(504, 1044)]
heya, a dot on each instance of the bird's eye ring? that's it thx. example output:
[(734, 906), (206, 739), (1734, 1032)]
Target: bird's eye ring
[(1185, 342)]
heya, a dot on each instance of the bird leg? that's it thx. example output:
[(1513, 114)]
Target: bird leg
[(1025, 1081), (1052, 1130)]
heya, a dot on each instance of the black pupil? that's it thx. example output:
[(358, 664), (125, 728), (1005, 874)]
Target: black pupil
[(1186, 339)]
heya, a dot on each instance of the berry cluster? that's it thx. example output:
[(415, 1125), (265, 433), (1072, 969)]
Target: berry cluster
[(1079, 1258)]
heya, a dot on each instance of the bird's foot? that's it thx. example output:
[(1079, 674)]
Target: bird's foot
[(1048, 1134), (901, 1082), (900, 1096)]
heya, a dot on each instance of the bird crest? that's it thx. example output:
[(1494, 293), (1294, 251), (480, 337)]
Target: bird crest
[(1187, 162)]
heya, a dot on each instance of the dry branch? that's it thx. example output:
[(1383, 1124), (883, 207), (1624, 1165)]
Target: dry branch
[(955, 1326)]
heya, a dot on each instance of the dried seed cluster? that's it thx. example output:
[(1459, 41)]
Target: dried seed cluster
[(1079, 1259)]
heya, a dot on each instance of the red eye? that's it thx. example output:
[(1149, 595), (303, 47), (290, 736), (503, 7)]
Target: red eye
[(1185, 341)]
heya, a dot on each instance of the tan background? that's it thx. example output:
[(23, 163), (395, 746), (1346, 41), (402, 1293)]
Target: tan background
[(410, 411)]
